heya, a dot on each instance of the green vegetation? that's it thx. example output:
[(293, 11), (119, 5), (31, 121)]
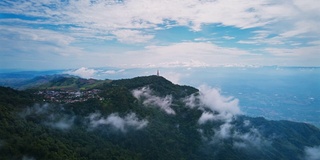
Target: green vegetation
[(65, 82), (120, 126), (158, 84)]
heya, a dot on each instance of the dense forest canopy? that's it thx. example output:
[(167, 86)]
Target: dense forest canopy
[(140, 118)]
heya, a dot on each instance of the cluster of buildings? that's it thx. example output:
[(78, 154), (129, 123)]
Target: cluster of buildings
[(65, 96)]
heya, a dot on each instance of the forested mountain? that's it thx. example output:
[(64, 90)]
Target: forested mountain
[(140, 118)]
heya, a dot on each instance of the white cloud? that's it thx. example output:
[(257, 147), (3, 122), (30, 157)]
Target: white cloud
[(247, 42), (62, 123), (52, 116), (308, 52), (105, 14), (37, 41), (119, 123), (130, 21), (132, 36), (191, 101), (210, 116), (228, 37), (184, 54), (306, 18), (174, 77), (223, 132), (83, 72), (315, 43), (129, 14), (312, 153), (39, 35), (205, 117), (220, 107), (251, 139), (147, 97), (202, 39), (190, 63), (298, 56), (36, 109), (114, 71), (261, 34), (262, 37), (212, 99), (246, 123)]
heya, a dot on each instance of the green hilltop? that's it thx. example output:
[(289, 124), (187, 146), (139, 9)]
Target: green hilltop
[(67, 117)]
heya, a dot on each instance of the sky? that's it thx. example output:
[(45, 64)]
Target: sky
[(66, 34)]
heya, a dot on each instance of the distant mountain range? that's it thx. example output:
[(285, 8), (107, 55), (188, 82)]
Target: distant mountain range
[(67, 117), (22, 79)]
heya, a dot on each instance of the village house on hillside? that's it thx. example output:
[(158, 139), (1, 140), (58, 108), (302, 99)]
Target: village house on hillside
[(61, 96)]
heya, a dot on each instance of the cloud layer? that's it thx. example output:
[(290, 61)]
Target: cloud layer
[(215, 105), (130, 121), (148, 98), (50, 115), (62, 123), (223, 110), (129, 33), (251, 139), (83, 72), (312, 153), (212, 99), (105, 16)]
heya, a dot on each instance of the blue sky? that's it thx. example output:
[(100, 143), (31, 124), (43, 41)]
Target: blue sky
[(69, 34)]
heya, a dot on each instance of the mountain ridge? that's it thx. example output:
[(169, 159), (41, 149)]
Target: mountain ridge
[(140, 118)]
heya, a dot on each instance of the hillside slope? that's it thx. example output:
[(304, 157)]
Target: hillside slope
[(142, 118)]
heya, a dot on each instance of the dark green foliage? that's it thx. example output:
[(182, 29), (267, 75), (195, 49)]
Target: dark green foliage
[(13, 97), (158, 84), (26, 134), (65, 82)]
